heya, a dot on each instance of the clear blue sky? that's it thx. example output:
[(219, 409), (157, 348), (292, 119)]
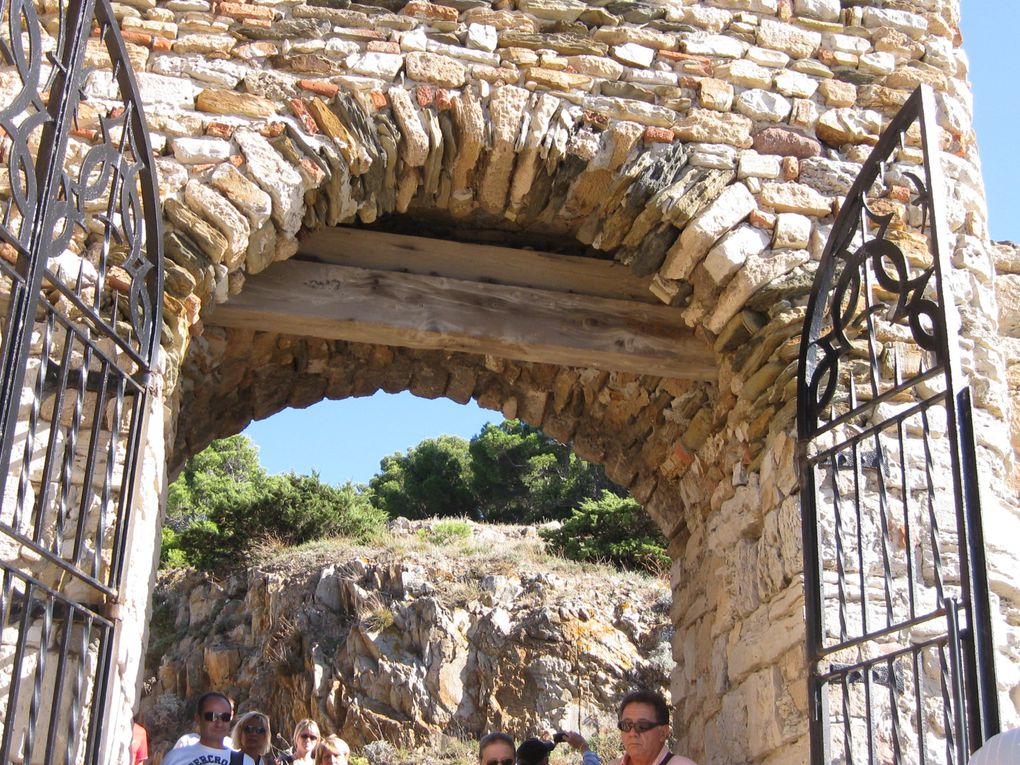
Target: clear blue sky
[(344, 440)]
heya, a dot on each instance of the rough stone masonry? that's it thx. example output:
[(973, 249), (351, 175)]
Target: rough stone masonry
[(705, 143)]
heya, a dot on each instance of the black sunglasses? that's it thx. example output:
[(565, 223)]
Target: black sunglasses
[(641, 726), (508, 761), (254, 729), (221, 716)]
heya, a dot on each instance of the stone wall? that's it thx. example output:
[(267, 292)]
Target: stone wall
[(705, 143)]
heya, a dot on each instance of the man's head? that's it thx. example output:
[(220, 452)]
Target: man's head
[(643, 721), (213, 716), (534, 751)]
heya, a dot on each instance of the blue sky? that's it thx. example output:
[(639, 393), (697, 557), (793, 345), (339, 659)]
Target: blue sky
[(344, 440)]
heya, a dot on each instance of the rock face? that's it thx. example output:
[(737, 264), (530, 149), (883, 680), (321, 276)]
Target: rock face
[(406, 647)]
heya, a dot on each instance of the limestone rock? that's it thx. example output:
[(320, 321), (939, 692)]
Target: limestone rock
[(733, 250), (416, 142), (218, 211), (243, 193), (436, 69), (785, 142), (791, 40), (796, 198), (190, 151), (847, 125), (703, 125), (555, 10), (435, 639), (732, 206), (276, 176), (219, 101)]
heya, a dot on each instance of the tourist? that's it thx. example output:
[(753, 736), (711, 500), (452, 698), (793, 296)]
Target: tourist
[(303, 743), (332, 750), (251, 735), (535, 751), (644, 728), (1001, 749), (496, 749), (212, 718)]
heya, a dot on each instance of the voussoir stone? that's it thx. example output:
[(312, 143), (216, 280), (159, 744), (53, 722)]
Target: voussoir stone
[(243, 193), (276, 176), (733, 205), (787, 143), (436, 69), (217, 210)]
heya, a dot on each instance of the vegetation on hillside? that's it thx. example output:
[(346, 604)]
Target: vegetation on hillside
[(224, 506)]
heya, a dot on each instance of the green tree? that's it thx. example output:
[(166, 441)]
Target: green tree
[(227, 472), (521, 475), (432, 479), (610, 529)]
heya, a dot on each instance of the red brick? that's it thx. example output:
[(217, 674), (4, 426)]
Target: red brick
[(425, 95), (322, 87), (303, 115)]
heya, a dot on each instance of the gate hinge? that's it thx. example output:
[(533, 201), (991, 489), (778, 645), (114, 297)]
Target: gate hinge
[(112, 609)]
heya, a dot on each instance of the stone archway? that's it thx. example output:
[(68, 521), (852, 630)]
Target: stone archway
[(702, 146)]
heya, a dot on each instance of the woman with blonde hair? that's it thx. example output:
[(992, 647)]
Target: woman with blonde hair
[(304, 742), (333, 750), (251, 734)]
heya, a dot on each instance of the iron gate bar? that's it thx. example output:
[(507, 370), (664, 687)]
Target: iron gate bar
[(844, 312), (59, 689)]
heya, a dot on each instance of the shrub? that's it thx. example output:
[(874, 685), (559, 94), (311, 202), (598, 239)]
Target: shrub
[(610, 529), (446, 532), (290, 510)]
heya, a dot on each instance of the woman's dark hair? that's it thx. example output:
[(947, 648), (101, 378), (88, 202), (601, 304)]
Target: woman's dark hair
[(653, 699), (491, 738)]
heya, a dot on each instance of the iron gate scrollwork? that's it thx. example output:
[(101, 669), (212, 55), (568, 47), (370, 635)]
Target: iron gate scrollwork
[(899, 640), (81, 296)]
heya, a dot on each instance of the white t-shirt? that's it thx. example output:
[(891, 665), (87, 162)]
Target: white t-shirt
[(199, 754), (1001, 749)]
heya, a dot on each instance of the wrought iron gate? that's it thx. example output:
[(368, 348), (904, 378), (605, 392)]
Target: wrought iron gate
[(899, 639), (81, 292)]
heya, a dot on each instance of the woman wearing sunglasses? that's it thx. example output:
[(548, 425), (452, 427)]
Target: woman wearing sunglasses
[(496, 749), (644, 729), (303, 744), (251, 735)]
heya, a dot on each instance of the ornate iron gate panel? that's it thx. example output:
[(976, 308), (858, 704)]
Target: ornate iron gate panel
[(899, 639), (81, 296)]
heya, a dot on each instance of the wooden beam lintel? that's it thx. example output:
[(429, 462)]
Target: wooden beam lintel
[(435, 312)]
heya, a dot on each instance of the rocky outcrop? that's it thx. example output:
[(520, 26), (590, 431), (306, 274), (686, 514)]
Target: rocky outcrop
[(413, 642)]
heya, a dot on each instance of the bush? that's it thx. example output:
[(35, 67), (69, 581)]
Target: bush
[(290, 510), (610, 529), (446, 532)]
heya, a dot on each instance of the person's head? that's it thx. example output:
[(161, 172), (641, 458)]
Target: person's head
[(306, 738), (643, 721), (332, 750), (251, 734), (496, 749), (213, 713), (534, 751)]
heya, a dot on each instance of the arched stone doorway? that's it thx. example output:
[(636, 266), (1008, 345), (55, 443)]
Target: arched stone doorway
[(704, 147)]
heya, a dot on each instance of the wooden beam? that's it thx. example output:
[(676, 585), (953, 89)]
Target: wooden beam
[(419, 311), (475, 263)]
